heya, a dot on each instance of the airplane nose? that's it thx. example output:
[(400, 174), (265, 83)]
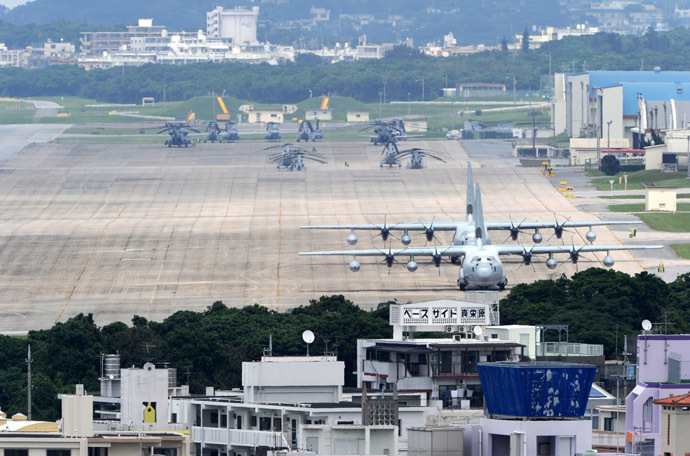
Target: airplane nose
[(483, 274)]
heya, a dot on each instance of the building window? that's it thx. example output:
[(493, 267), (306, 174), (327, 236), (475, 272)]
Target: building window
[(647, 415), (55, 452), (608, 424), (265, 423), (252, 421), (16, 452)]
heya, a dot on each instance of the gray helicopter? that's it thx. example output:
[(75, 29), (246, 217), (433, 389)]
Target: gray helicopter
[(292, 157)]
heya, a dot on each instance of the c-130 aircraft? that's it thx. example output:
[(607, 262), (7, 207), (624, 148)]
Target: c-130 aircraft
[(481, 264), (464, 230)]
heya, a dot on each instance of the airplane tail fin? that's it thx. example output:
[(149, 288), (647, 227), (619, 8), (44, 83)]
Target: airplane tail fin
[(480, 232), (469, 208)]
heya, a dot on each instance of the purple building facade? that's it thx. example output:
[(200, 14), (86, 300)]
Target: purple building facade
[(663, 370)]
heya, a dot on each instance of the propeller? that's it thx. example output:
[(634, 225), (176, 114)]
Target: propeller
[(514, 230), (429, 231), (527, 257), (558, 229), (385, 230)]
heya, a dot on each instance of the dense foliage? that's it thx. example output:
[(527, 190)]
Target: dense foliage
[(210, 346), (21, 36), (610, 165), (597, 302), (406, 72)]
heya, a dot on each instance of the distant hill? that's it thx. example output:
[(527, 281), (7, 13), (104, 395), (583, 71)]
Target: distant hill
[(471, 21)]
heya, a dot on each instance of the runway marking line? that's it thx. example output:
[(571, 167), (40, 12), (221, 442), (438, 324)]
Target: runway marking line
[(169, 241), (88, 258), (58, 134)]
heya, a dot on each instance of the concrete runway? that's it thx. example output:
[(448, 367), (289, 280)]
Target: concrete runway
[(149, 230)]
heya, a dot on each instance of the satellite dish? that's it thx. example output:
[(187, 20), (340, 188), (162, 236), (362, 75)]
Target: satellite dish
[(477, 330), (308, 336), (646, 325)]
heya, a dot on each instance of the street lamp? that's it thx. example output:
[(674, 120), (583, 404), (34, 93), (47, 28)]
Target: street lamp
[(611, 182), (417, 80), (380, 94), (385, 81), (625, 179), (408, 110), (688, 157), (608, 134)]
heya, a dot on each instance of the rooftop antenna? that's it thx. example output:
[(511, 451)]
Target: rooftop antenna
[(308, 338), (269, 351), (646, 326), (28, 383)]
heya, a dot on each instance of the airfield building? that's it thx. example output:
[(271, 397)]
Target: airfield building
[(237, 25)]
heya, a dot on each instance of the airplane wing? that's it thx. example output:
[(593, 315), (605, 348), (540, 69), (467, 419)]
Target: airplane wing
[(437, 226), (501, 249), (413, 251), (528, 225), (536, 249)]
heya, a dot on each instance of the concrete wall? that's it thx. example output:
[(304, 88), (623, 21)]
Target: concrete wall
[(294, 379), (77, 415), (577, 99), (674, 425), (325, 114), (576, 434), (611, 111), (139, 388), (444, 441), (357, 116), (265, 116), (660, 199)]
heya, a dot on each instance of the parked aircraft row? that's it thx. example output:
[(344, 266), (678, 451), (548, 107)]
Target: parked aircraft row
[(480, 263)]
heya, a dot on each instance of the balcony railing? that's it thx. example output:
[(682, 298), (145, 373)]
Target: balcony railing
[(239, 437), (568, 349)]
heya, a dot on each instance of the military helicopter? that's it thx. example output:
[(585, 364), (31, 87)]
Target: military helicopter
[(292, 157), (231, 133), (390, 149), (416, 158), (272, 132), (179, 134), (307, 131), (213, 133), (389, 131), (393, 156)]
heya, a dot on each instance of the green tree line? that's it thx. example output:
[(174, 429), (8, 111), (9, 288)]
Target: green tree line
[(405, 73)]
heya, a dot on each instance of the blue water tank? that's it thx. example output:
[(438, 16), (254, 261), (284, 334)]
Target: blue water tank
[(536, 390)]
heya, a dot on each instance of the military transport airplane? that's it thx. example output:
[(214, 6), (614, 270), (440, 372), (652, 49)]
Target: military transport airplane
[(463, 230), (481, 266)]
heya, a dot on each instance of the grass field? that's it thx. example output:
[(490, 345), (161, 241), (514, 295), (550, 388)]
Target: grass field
[(676, 223), (639, 207), (680, 195), (682, 250), (638, 178), (439, 116)]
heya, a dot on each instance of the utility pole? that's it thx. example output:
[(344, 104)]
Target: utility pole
[(385, 81), (28, 384)]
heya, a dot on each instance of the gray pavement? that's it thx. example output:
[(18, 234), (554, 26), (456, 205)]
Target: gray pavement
[(13, 138), (148, 230), (44, 108)]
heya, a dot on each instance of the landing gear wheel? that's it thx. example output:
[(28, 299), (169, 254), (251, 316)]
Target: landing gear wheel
[(501, 286), (462, 286)]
